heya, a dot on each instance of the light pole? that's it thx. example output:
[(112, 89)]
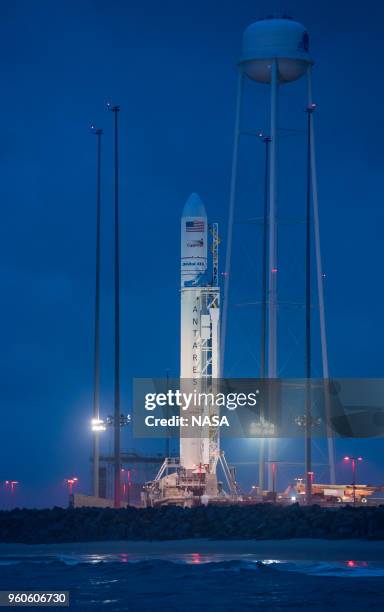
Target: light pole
[(274, 463), (126, 488), (274, 474), (129, 487), (11, 484), (354, 462), (71, 482)]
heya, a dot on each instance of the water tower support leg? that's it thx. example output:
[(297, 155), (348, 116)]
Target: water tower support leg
[(320, 283), (232, 199), (272, 270)]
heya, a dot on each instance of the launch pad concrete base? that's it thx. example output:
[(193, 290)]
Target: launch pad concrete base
[(90, 501)]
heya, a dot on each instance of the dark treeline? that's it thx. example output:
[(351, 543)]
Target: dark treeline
[(261, 521)]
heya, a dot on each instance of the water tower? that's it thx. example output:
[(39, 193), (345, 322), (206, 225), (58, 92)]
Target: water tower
[(275, 52)]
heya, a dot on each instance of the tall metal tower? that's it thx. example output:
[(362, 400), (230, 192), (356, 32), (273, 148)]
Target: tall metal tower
[(276, 52), (117, 412), (96, 376)]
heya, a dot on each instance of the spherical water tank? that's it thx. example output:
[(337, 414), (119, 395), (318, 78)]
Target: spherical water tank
[(280, 38)]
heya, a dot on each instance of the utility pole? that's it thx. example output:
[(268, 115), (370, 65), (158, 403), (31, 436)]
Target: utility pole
[(354, 461)]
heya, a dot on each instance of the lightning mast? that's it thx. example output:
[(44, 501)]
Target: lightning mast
[(96, 376), (116, 413)]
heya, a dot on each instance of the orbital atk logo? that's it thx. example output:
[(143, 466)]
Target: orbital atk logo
[(195, 243)]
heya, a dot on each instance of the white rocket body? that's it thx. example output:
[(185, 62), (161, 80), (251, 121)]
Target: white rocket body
[(199, 327)]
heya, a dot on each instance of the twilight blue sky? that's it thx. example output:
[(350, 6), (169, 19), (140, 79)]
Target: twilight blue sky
[(172, 68)]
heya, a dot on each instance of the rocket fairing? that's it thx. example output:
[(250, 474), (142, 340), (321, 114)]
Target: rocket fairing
[(193, 242), (199, 338)]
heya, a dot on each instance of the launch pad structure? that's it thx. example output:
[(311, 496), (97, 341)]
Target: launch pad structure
[(175, 485)]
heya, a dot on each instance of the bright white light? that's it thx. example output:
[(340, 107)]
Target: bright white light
[(293, 498), (262, 428), (98, 425)]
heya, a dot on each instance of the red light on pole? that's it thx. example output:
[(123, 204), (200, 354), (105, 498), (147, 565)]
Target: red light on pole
[(11, 485), (129, 487), (126, 484), (71, 482), (123, 485)]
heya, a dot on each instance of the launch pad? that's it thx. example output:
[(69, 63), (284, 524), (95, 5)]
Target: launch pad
[(178, 486)]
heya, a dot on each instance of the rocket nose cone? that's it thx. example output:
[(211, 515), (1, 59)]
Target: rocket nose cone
[(194, 207)]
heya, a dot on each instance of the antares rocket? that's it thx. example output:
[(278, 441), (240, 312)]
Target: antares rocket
[(194, 479), (199, 332)]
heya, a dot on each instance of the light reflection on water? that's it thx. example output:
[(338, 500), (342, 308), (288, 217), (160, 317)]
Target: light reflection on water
[(356, 563), (348, 567), (194, 558)]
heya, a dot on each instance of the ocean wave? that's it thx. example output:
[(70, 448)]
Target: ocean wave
[(211, 562)]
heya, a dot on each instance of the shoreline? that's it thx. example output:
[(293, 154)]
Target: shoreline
[(305, 549)]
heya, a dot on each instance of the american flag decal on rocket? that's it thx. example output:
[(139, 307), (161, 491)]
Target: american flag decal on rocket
[(194, 226)]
